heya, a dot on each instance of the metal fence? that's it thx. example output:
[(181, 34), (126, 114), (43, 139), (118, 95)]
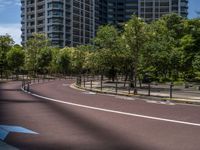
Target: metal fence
[(27, 80), (121, 86)]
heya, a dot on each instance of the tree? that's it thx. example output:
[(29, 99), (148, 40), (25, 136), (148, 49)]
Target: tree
[(33, 47), (135, 36), (6, 43), (175, 25), (44, 59), (53, 64), (108, 47), (80, 58), (63, 60), (15, 58), (196, 63), (190, 45)]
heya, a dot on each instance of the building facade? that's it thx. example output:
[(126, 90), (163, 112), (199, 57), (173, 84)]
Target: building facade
[(65, 22), (120, 11), (74, 22), (151, 10)]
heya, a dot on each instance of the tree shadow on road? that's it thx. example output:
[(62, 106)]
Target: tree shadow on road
[(109, 137)]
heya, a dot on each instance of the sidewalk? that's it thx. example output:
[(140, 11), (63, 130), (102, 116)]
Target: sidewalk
[(143, 94)]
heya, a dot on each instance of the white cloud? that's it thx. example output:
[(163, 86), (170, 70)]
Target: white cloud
[(5, 3), (14, 30)]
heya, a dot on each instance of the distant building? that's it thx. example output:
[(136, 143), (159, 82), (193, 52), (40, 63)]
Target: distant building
[(120, 11), (74, 22), (65, 22), (153, 9)]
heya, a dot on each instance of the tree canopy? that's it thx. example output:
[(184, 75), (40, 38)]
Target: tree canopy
[(167, 49)]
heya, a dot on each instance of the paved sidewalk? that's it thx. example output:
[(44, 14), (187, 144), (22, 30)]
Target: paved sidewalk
[(160, 96)]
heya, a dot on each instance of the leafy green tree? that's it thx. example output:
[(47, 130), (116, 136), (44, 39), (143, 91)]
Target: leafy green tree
[(6, 43), (190, 45), (63, 60), (163, 53), (196, 63), (108, 47), (135, 37), (15, 58), (80, 58), (44, 59), (53, 64), (33, 47), (157, 48), (175, 25), (106, 37)]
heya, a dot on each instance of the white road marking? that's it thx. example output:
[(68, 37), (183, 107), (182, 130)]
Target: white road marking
[(114, 111), (153, 102), (65, 84), (161, 103), (125, 98), (89, 93)]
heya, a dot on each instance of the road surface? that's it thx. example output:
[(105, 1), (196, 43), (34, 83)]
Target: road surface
[(70, 119)]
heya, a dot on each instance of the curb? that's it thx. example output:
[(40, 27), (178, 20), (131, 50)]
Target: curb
[(158, 98)]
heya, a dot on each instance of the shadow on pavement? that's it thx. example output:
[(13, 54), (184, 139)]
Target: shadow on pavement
[(111, 139), (108, 137), (5, 100)]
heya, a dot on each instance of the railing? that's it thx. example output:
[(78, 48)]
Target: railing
[(126, 87)]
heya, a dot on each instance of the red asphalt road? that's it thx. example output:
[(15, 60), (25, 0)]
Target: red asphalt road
[(67, 127)]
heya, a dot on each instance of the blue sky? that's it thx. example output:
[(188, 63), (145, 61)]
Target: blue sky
[(10, 16)]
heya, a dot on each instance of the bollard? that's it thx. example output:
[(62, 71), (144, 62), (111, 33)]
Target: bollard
[(90, 84), (149, 89), (22, 83), (101, 83), (116, 86), (80, 80), (198, 88), (129, 88), (84, 81), (171, 88), (28, 87)]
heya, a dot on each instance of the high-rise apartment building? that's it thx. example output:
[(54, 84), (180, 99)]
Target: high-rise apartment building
[(74, 22), (65, 22), (120, 11), (153, 9)]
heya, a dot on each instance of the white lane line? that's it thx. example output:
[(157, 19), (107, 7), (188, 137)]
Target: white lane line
[(114, 111)]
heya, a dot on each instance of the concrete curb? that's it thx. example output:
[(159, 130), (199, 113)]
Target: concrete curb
[(158, 98)]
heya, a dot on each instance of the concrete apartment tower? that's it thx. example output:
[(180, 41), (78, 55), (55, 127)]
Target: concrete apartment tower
[(65, 22), (74, 22)]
